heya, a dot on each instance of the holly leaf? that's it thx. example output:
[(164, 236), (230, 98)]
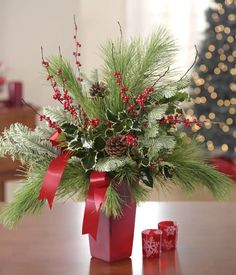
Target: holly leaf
[(111, 116), (69, 129), (146, 177), (89, 160), (99, 143), (113, 163)]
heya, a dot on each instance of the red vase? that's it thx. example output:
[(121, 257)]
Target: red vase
[(115, 235)]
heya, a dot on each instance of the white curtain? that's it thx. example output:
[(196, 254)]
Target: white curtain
[(185, 19)]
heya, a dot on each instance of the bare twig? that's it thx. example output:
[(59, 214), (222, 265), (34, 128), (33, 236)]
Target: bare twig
[(75, 24), (194, 62), (161, 76), (121, 32)]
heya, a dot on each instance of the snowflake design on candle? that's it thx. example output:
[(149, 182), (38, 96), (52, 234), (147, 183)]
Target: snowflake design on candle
[(150, 247), (170, 230), (167, 245)]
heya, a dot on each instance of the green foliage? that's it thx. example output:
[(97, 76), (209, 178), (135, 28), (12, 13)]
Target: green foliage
[(113, 203), (191, 171), (140, 62), (74, 183), (113, 163), (26, 145), (26, 199), (58, 115)]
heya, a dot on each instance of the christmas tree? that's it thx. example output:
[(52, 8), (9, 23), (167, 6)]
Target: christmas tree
[(214, 81)]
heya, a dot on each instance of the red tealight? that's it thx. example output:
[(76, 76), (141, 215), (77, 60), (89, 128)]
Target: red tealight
[(151, 243), (169, 234)]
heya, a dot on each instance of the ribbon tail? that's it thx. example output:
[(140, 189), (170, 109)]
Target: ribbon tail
[(92, 211), (53, 177)]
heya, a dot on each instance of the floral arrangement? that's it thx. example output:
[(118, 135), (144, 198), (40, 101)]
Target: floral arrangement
[(125, 122)]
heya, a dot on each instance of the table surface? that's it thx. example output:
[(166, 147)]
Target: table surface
[(52, 244)]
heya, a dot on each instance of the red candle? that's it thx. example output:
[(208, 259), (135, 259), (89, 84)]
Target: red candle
[(169, 234), (15, 93), (151, 241)]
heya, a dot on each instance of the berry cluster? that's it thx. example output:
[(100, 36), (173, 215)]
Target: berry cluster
[(64, 98), (123, 89), (76, 53), (94, 122), (175, 119), (50, 123), (130, 140), (144, 96)]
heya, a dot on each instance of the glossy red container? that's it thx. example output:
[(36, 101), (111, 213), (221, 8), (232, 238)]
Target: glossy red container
[(115, 236)]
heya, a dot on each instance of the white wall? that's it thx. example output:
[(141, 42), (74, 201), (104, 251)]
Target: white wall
[(26, 25)]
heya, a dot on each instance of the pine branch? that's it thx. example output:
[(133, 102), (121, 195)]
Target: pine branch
[(25, 201), (74, 183), (58, 115), (25, 145), (192, 170)]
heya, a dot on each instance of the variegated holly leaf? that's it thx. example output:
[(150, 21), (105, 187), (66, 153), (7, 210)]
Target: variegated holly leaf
[(112, 163)]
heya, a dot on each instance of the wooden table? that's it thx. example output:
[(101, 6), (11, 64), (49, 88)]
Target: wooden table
[(52, 244), (8, 116)]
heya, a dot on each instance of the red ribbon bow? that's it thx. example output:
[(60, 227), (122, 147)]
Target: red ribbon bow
[(54, 174), (99, 181)]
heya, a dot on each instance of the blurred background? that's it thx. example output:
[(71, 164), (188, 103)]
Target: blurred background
[(27, 25)]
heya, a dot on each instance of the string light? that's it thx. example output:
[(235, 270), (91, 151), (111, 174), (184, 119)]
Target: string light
[(214, 95), (212, 116), (217, 71), (229, 121), (231, 17), (234, 134), (200, 138), (230, 58), (230, 39), (210, 145), (208, 55), (227, 30), (203, 68), (211, 48), (220, 51), (219, 28), (208, 124), (234, 53), (232, 111), (222, 57), (225, 128), (232, 87), (219, 36), (233, 71), (203, 99), (215, 16), (202, 118), (226, 47), (220, 102), (190, 112), (197, 90), (224, 147), (233, 100), (211, 89), (228, 2), (227, 103)]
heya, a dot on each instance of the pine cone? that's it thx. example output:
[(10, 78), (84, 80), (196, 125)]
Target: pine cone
[(115, 146), (97, 89)]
